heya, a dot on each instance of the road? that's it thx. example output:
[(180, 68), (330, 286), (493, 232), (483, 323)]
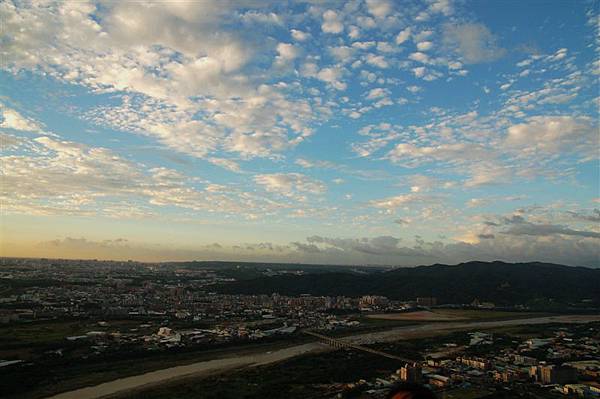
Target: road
[(123, 385)]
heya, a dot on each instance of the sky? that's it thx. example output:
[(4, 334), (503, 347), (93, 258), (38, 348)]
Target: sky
[(355, 132)]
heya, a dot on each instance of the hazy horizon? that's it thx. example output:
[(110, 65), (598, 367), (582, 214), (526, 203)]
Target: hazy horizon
[(245, 260)]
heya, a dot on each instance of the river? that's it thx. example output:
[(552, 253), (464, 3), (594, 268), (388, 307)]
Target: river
[(123, 385)]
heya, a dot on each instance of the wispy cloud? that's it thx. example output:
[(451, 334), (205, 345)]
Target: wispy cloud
[(367, 120)]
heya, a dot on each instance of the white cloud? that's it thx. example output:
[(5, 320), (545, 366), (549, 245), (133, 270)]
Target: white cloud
[(386, 47), (442, 6), (332, 76), (228, 81), (12, 119), (288, 51), (391, 250), (262, 18), (379, 8), (226, 164), (342, 53), (454, 65), (299, 35), (383, 102), (474, 42), (419, 57), (401, 201), (419, 72), (487, 174), (422, 183), (555, 134), (368, 76), (188, 72), (376, 246), (363, 45), (360, 250), (422, 35), (290, 184), (332, 22), (72, 178), (377, 93), (403, 36), (305, 163), (377, 60), (423, 16), (412, 155), (424, 46), (353, 32)]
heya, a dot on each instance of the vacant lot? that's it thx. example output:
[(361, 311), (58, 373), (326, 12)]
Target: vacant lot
[(450, 315)]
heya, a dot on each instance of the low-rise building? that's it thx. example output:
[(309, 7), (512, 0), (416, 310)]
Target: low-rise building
[(411, 373)]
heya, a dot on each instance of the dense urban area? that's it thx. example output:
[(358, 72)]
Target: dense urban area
[(72, 318)]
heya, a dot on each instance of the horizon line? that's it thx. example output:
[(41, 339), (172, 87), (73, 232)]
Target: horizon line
[(386, 266)]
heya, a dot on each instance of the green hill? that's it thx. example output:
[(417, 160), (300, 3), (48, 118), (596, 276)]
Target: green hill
[(498, 282)]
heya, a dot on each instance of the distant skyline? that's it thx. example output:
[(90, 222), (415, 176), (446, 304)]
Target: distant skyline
[(359, 132)]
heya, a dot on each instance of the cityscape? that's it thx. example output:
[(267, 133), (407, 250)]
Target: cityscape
[(63, 316), (299, 199)]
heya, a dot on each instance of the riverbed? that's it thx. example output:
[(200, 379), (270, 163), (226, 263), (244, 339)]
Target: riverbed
[(123, 385)]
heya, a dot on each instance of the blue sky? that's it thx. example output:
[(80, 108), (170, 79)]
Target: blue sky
[(363, 132)]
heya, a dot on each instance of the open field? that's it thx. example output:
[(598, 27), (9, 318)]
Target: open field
[(451, 315), (26, 340), (40, 333), (423, 315)]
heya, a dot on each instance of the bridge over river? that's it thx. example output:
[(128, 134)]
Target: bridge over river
[(127, 384), (338, 343)]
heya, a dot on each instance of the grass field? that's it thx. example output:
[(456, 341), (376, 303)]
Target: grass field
[(39, 333), (45, 332)]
